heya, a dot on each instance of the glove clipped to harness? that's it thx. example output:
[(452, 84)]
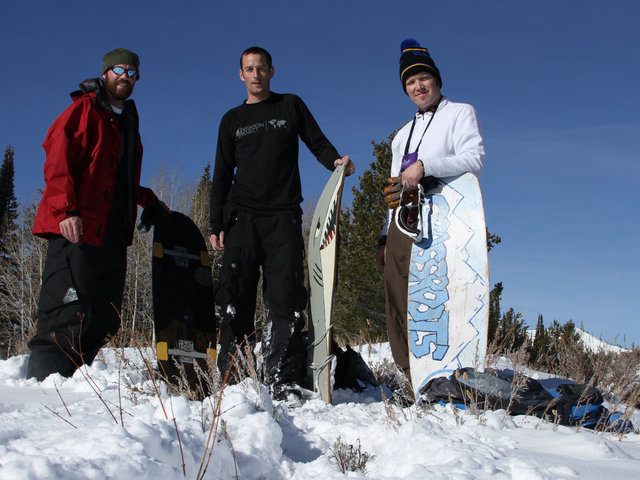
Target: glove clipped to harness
[(154, 213), (395, 193), (407, 203), (408, 215)]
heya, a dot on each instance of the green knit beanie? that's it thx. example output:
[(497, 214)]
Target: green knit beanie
[(120, 56)]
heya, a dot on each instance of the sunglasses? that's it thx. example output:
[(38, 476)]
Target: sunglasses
[(120, 70)]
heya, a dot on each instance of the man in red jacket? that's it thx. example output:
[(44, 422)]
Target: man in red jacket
[(88, 212)]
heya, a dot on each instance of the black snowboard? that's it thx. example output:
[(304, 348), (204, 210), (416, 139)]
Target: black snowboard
[(184, 319)]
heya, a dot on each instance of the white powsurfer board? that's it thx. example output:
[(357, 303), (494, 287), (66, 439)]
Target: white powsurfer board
[(448, 308), (322, 255)]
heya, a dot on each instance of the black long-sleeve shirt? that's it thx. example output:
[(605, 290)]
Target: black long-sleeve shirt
[(256, 167)]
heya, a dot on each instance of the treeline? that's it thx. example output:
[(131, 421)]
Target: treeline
[(359, 303), (558, 349), (509, 333), (22, 257), (359, 307)]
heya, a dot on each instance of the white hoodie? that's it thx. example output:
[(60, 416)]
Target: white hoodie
[(452, 145)]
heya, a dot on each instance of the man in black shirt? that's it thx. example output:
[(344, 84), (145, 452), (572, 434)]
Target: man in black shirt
[(256, 219)]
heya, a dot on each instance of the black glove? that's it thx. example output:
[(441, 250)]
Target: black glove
[(155, 213)]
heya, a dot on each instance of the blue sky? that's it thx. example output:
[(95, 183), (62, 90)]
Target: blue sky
[(555, 84)]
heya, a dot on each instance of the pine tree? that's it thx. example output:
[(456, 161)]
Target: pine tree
[(8, 225), (199, 211), (492, 240), (540, 344), (359, 306), (495, 297), (508, 332), (512, 331), (564, 348), (8, 203)]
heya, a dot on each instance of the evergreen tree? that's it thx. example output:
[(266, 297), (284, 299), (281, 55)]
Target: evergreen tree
[(508, 332), (199, 211), (564, 347), (495, 297), (540, 344), (568, 337), (8, 225), (492, 240), (359, 305), (569, 333), (8, 203), (512, 331)]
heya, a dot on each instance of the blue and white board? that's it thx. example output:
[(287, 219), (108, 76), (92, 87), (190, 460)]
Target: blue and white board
[(448, 309), (323, 246)]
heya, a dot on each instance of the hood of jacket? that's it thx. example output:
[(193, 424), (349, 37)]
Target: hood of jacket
[(95, 86)]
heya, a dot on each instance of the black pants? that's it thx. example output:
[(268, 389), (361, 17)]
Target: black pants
[(274, 243), (79, 305)]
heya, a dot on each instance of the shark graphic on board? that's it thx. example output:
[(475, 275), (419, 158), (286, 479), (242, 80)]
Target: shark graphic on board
[(323, 249)]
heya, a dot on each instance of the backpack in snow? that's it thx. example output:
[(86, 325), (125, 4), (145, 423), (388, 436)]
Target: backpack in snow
[(570, 404), (578, 404), (488, 390), (351, 370)]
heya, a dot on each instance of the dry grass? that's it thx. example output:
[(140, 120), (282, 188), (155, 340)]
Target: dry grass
[(615, 375), (350, 458)]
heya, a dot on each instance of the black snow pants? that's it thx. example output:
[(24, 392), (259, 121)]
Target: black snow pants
[(79, 305), (273, 242)]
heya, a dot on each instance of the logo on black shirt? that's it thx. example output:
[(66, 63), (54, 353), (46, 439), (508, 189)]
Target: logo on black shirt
[(258, 127)]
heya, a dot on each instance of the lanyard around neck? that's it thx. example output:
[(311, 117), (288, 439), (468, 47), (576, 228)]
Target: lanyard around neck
[(433, 109)]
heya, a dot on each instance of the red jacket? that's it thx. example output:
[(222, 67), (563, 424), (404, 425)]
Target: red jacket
[(82, 148)]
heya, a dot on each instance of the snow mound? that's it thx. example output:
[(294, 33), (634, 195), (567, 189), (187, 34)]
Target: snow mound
[(107, 422)]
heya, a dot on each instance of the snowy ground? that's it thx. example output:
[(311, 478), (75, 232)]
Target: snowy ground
[(108, 423), (597, 344)]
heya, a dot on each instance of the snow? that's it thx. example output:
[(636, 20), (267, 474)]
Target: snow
[(591, 342), (597, 344), (108, 422)]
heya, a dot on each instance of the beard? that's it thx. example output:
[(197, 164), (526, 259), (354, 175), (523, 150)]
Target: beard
[(118, 89)]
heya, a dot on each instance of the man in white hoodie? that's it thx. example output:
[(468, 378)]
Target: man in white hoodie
[(442, 140)]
